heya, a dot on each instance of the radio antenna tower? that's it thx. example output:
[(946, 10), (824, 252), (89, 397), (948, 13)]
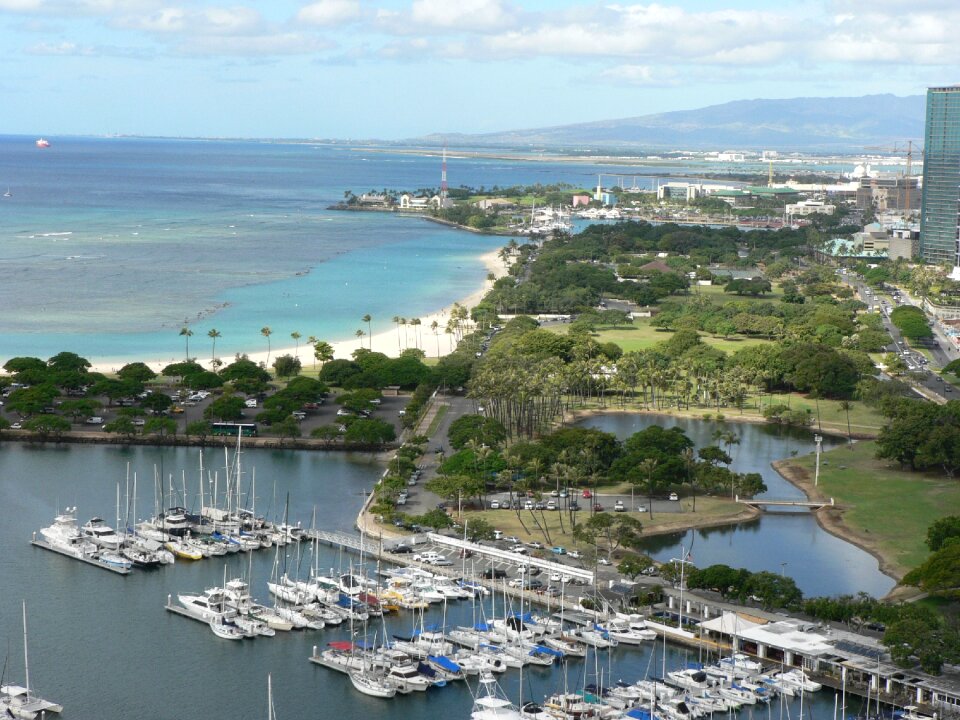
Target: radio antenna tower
[(443, 177)]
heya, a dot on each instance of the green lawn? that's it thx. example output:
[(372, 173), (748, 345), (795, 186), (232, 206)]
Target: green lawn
[(641, 336), (716, 294), (888, 507)]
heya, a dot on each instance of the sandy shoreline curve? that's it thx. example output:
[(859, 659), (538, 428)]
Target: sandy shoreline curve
[(388, 342)]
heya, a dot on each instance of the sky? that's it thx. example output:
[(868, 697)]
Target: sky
[(396, 69)]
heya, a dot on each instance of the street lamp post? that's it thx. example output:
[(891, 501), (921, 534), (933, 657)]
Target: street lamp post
[(818, 439)]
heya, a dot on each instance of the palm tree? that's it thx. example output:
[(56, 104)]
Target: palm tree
[(847, 406), (267, 332), (296, 338), (396, 319), (406, 340), (213, 334), (647, 467), (416, 322), (312, 342), (690, 464), (323, 351), (433, 326), (367, 319), (185, 333), (360, 334)]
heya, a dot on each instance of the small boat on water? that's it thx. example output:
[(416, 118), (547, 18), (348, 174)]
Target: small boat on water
[(100, 534), (18, 701), (226, 630), (64, 535), (42, 143), (373, 684)]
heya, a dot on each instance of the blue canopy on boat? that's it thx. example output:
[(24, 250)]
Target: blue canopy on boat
[(445, 662), (638, 714), (482, 627), (548, 650)]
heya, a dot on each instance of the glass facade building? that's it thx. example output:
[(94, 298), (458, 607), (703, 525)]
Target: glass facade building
[(941, 177)]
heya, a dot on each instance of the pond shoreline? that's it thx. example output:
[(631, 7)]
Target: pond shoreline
[(830, 519)]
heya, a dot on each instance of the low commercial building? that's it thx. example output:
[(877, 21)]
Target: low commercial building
[(809, 207)]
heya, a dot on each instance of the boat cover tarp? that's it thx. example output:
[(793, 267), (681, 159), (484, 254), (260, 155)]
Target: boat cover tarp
[(638, 714), (547, 650), (444, 662), (343, 645), (482, 627)]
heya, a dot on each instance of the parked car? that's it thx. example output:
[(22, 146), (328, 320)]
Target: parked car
[(557, 550), (551, 505), (251, 403), (618, 506), (576, 554), (598, 507), (494, 504), (603, 561), (512, 539), (674, 496), (586, 494), (518, 549), (402, 550), (493, 574), (535, 545)]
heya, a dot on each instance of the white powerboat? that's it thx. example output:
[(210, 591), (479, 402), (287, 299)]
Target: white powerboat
[(100, 534)]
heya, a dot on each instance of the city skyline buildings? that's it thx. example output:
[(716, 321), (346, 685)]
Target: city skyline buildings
[(940, 218)]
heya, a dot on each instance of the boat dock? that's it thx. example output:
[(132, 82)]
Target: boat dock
[(177, 610), (89, 560), (318, 659)]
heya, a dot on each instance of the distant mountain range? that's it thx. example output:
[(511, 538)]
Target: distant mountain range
[(833, 124)]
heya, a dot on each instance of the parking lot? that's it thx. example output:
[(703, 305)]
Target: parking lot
[(189, 407)]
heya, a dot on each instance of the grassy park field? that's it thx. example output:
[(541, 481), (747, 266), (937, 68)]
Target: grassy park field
[(885, 509)]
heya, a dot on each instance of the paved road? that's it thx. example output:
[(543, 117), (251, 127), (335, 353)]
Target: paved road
[(925, 377)]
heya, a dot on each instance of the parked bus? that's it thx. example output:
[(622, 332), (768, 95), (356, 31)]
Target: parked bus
[(232, 428)]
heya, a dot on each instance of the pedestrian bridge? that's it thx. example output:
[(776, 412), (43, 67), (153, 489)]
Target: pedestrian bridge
[(765, 503)]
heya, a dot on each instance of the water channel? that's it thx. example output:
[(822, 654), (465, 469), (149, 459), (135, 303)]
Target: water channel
[(102, 644), (791, 542)]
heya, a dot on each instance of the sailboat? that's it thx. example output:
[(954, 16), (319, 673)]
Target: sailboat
[(18, 700), (8, 193)]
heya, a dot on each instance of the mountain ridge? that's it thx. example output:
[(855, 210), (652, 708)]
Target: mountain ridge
[(826, 124)]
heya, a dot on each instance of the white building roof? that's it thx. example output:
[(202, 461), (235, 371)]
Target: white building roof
[(791, 636), (729, 624)]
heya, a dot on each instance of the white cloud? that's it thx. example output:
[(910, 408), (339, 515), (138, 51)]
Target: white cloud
[(330, 12), (640, 75), (464, 15), (253, 46), (71, 49), (62, 49), (206, 21)]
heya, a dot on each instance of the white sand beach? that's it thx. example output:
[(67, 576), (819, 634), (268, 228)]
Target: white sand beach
[(388, 342)]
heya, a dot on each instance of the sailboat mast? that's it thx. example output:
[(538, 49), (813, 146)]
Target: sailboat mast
[(26, 657)]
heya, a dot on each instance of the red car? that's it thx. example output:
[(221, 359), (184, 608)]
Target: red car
[(597, 507), (586, 494)]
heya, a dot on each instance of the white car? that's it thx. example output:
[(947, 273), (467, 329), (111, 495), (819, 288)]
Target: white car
[(603, 561), (251, 403), (343, 412), (575, 554), (518, 549)]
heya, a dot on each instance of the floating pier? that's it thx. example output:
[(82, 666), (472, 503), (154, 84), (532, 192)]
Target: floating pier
[(88, 559)]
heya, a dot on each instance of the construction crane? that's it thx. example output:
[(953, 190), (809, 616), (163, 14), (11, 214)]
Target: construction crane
[(901, 149)]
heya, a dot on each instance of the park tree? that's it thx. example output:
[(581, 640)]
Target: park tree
[(123, 425), (226, 408), (632, 566), (478, 428), (47, 425), (160, 426), (287, 366), (608, 533), (943, 530), (198, 429), (371, 432), (136, 371)]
